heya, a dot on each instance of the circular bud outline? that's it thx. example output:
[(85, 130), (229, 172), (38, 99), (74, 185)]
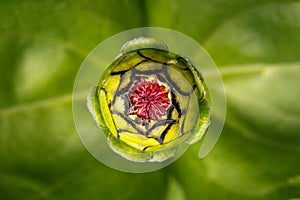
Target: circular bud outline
[(103, 54)]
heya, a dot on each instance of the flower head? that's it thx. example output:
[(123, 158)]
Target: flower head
[(149, 100)]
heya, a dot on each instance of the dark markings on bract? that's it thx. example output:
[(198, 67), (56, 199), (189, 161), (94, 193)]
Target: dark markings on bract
[(159, 140), (128, 120), (142, 122), (198, 92), (160, 123), (152, 155), (164, 133), (145, 57), (126, 89), (145, 123), (120, 130), (116, 92), (127, 104), (144, 149), (180, 58), (97, 94), (135, 75), (169, 111), (137, 64), (182, 127), (119, 72), (97, 101), (195, 87), (175, 104), (103, 89), (122, 72), (183, 112), (172, 84), (148, 72), (161, 79)]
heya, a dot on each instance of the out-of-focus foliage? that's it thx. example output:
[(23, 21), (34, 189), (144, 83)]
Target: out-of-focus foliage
[(256, 45)]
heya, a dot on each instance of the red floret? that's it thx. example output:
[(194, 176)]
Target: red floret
[(149, 100)]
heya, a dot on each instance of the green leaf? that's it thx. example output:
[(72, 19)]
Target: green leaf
[(255, 44)]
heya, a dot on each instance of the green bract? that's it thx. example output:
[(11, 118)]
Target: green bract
[(149, 101)]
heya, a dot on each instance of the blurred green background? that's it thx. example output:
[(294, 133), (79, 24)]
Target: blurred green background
[(256, 45)]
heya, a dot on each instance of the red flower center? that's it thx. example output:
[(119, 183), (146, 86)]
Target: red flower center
[(149, 100)]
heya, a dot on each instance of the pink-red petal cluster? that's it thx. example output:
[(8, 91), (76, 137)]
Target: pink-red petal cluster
[(149, 100)]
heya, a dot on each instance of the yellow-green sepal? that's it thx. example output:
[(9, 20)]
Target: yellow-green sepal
[(143, 43), (133, 154), (164, 154), (203, 123), (93, 105), (127, 151)]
